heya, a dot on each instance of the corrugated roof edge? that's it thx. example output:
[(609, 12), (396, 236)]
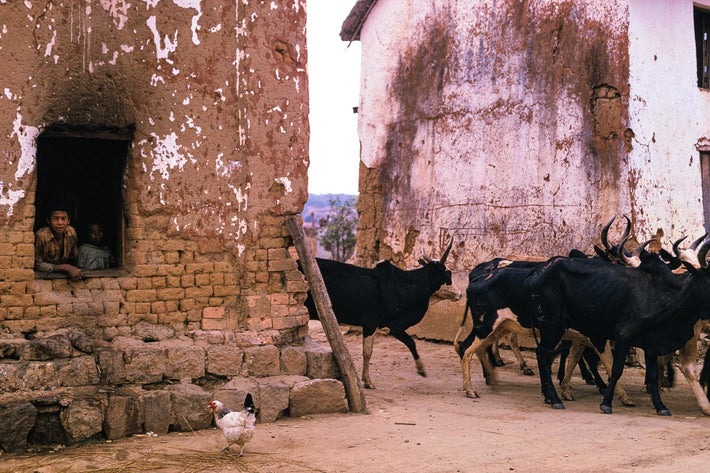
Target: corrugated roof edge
[(350, 31)]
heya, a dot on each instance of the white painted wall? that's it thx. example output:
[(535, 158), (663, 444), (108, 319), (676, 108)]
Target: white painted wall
[(500, 165), (670, 116)]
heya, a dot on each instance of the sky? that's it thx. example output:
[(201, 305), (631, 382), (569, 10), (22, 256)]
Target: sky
[(334, 88)]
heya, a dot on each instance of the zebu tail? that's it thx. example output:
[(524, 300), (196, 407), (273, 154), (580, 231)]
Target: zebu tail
[(458, 332)]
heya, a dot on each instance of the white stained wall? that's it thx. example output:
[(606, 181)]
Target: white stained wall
[(670, 117), (497, 147)]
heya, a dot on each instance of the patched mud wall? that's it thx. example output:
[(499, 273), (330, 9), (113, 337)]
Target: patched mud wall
[(213, 97), (504, 124), (216, 97)]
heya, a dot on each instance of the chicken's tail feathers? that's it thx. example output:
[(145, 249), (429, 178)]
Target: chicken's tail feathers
[(249, 403)]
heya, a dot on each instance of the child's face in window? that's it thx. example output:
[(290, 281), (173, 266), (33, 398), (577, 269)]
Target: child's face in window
[(58, 221), (96, 234)]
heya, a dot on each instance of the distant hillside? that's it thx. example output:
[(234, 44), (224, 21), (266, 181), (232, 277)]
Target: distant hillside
[(319, 205)]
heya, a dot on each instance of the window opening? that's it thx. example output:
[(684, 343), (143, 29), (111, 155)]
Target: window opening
[(702, 46), (705, 178), (84, 172)]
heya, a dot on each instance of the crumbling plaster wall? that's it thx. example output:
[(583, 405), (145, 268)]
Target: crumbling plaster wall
[(503, 124), (668, 114), (217, 95), (209, 301)]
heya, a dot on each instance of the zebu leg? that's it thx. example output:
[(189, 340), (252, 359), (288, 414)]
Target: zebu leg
[(687, 356), (515, 347), (368, 341), (478, 348), (575, 352), (652, 374), (409, 342)]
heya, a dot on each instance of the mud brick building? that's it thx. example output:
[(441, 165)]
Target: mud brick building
[(522, 127), (182, 125)]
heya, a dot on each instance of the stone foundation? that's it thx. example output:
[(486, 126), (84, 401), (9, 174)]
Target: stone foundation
[(66, 388)]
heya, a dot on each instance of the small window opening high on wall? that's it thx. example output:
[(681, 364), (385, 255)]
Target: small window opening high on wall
[(83, 172), (702, 46)]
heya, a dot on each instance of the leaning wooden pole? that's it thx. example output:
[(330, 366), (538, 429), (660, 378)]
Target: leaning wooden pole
[(353, 385)]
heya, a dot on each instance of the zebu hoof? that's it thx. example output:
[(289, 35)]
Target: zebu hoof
[(626, 400), (605, 409), (500, 363), (472, 394), (664, 412), (528, 372), (368, 385), (567, 396), (557, 405), (422, 373)]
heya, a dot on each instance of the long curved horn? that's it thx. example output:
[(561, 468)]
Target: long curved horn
[(622, 254), (605, 234), (628, 226), (695, 244), (635, 260), (638, 250), (675, 246), (446, 251), (703, 253)]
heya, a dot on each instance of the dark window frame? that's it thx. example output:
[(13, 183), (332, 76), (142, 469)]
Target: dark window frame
[(705, 183), (701, 20), (85, 170)]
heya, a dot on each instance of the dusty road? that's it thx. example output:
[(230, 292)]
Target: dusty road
[(420, 424)]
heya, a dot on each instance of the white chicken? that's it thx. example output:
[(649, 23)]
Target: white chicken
[(238, 427)]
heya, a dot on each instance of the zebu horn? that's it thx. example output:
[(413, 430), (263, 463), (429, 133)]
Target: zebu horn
[(627, 231), (675, 245), (605, 233), (446, 251), (635, 260), (703, 253), (695, 244)]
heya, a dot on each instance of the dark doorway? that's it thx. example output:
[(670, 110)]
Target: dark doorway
[(84, 171), (705, 176)]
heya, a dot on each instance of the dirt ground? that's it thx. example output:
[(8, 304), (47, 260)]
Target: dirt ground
[(418, 424)]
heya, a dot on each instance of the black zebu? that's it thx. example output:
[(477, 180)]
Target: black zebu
[(648, 307), (382, 297)]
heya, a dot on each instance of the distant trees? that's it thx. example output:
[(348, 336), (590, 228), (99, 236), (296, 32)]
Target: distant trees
[(339, 236)]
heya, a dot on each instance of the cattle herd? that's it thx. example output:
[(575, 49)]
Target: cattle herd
[(587, 307)]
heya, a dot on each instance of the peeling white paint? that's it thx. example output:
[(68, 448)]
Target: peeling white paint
[(10, 198), (8, 94), (286, 183), (155, 79), (170, 45), (126, 48), (216, 28), (50, 45), (191, 124), (167, 154), (118, 10), (195, 4), (27, 137)]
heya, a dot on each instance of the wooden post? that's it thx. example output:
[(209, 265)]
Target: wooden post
[(353, 385)]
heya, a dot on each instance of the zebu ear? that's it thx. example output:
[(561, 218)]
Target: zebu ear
[(424, 258)]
